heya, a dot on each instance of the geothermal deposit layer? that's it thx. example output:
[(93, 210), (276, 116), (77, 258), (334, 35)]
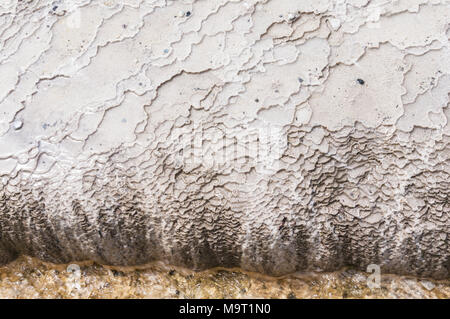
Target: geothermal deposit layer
[(276, 136)]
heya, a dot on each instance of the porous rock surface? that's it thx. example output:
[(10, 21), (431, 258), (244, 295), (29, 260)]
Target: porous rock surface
[(276, 136), (28, 277)]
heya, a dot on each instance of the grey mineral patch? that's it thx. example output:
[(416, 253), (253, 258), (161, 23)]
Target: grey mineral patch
[(276, 136), (428, 284)]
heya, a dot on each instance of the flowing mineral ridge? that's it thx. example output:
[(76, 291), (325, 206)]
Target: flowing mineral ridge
[(276, 136)]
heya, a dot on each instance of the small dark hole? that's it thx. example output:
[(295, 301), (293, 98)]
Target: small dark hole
[(360, 81), (188, 13), (291, 295), (117, 273)]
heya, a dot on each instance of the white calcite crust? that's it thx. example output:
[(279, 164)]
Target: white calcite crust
[(276, 135)]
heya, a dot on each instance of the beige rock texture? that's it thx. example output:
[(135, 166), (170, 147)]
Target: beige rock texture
[(275, 136), (28, 277)]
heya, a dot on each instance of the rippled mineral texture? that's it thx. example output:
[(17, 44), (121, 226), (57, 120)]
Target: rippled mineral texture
[(275, 136)]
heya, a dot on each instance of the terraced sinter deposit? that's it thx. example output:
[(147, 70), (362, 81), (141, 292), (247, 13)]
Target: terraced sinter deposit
[(275, 136)]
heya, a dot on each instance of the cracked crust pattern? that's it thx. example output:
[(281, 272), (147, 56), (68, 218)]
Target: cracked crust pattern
[(277, 136)]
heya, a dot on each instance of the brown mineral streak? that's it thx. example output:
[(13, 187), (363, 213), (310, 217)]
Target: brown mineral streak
[(274, 136), (31, 278)]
